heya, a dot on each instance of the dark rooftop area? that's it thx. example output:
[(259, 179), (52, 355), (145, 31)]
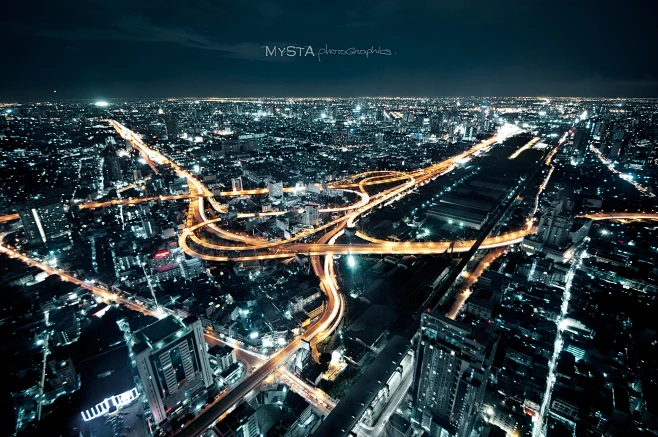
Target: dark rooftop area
[(348, 411), (160, 330)]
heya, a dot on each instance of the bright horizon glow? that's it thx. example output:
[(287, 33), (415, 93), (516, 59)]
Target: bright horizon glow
[(102, 103)]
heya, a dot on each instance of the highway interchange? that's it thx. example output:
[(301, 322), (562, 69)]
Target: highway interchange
[(325, 237)]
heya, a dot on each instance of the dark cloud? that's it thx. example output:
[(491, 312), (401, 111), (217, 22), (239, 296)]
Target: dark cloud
[(139, 29), (140, 48)]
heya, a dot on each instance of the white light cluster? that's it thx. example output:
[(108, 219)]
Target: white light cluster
[(102, 408)]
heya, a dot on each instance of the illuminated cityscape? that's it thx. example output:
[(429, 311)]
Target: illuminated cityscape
[(348, 219), (449, 267)]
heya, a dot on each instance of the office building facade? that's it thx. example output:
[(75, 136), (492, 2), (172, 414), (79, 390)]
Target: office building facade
[(236, 184), (43, 220), (172, 362), (452, 369)]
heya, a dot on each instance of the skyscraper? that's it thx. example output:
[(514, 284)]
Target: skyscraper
[(114, 173), (398, 426), (236, 183), (581, 139), (555, 224), (275, 190), (311, 214), (453, 363), (171, 126), (43, 220), (341, 133), (172, 362)]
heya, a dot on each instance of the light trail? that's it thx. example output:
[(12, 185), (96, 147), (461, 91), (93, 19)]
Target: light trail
[(525, 147), (388, 247), (550, 156), (626, 177), (621, 216), (158, 157), (332, 315), (544, 183), (414, 179), (7, 218), (471, 278), (537, 430), (334, 309), (103, 293), (318, 398)]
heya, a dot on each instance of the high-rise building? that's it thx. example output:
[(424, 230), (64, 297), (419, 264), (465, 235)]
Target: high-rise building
[(555, 224), (114, 173), (149, 227), (311, 214), (236, 183), (171, 126), (43, 220), (614, 150), (172, 362), (275, 190), (240, 422), (453, 363), (398, 426), (341, 133), (559, 232), (379, 138), (302, 357), (581, 139)]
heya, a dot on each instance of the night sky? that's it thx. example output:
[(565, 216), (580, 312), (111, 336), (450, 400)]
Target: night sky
[(95, 49)]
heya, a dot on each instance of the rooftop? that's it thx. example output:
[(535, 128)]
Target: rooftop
[(160, 330), (350, 409)]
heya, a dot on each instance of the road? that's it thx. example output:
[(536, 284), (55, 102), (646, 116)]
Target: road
[(411, 181), (334, 309), (471, 278), (622, 216), (627, 177), (525, 147), (330, 319), (538, 428), (391, 407), (325, 245), (321, 401), (7, 218)]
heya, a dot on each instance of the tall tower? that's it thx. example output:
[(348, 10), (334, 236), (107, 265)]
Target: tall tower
[(275, 190), (171, 126), (236, 183), (172, 362), (311, 214), (341, 133), (453, 363)]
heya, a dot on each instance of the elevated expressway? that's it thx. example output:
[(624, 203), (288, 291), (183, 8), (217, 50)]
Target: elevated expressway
[(326, 236), (622, 216), (324, 245)]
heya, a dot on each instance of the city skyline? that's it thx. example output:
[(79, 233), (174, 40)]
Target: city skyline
[(358, 218)]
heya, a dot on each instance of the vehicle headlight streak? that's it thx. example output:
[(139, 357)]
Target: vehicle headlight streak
[(333, 313), (628, 178), (538, 430)]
